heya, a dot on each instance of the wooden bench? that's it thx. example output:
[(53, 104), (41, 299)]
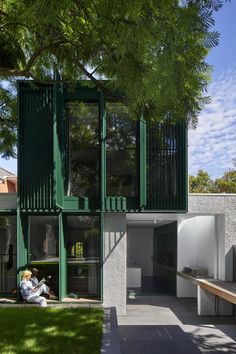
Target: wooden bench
[(215, 297)]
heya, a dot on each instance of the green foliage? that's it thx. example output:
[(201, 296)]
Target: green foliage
[(202, 183), (153, 52), (227, 183), (7, 122)]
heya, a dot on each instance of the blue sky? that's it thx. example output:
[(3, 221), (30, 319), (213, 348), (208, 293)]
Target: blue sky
[(212, 145)]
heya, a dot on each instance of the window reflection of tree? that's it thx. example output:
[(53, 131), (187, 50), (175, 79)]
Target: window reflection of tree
[(121, 151), (84, 149)]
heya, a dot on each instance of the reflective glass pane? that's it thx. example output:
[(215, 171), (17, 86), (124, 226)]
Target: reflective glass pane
[(7, 254), (121, 151), (83, 256), (83, 149), (44, 248)]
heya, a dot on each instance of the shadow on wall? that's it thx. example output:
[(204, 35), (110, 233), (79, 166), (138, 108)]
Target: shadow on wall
[(113, 239)]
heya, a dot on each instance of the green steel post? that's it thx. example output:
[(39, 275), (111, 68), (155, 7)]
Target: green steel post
[(186, 186), (103, 149), (101, 253), (103, 182), (142, 164), (63, 259), (57, 149), (22, 243)]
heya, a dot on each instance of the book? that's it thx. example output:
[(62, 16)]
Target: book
[(40, 283)]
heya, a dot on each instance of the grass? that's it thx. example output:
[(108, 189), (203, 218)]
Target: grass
[(50, 330)]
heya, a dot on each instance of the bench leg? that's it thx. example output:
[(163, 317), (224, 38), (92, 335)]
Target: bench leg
[(209, 304)]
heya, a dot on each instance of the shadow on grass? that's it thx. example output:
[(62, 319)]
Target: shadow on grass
[(40, 330)]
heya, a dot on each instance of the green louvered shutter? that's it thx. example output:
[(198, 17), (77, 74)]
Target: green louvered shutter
[(58, 134), (35, 147), (166, 167)]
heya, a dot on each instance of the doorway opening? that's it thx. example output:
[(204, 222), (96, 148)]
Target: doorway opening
[(152, 259)]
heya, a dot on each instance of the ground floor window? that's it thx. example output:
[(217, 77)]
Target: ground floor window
[(79, 262), (7, 254), (44, 248), (83, 256)]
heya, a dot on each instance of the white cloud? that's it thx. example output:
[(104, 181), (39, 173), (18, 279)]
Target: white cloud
[(212, 145)]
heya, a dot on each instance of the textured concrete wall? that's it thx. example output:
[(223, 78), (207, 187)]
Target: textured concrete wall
[(114, 265), (225, 206)]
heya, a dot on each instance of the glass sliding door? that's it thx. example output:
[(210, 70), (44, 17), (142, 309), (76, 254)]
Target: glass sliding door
[(83, 256), (44, 248), (7, 254)]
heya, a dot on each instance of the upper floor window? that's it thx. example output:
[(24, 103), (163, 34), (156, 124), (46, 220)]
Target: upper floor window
[(83, 149), (121, 160)]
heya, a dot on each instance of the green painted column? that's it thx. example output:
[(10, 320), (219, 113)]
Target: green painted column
[(103, 183), (103, 149), (142, 164), (58, 119), (101, 253), (22, 243), (63, 258)]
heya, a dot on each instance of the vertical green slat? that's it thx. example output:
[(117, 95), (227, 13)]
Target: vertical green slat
[(186, 166), (142, 164), (57, 148), (22, 243), (63, 259), (102, 124), (35, 157), (167, 164), (101, 252)]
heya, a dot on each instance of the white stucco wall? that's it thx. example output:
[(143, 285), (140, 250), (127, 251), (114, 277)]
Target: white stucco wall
[(224, 205), (140, 249), (197, 247), (215, 250), (114, 262)]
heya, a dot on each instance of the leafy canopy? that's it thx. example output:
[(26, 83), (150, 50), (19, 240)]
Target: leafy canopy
[(202, 183), (151, 50)]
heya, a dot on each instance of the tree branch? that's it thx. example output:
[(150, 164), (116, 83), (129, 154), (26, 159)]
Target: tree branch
[(50, 47), (10, 124), (99, 84), (26, 71)]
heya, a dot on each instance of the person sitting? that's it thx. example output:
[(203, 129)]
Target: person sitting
[(45, 289), (29, 292)]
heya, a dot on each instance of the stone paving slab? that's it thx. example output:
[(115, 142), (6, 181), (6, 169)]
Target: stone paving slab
[(111, 337), (168, 325)]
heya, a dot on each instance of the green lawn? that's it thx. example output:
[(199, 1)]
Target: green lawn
[(50, 330)]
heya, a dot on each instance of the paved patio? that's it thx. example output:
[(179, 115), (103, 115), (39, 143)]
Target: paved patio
[(168, 325)]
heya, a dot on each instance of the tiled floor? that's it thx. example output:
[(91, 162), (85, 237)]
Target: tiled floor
[(167, 325)]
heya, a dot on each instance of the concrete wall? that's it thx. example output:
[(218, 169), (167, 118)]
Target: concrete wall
[(197, 247), (140, 249), (115, 262), (224, 205), (206, 236)]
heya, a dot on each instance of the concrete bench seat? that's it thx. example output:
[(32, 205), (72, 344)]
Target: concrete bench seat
[(214, 297)]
